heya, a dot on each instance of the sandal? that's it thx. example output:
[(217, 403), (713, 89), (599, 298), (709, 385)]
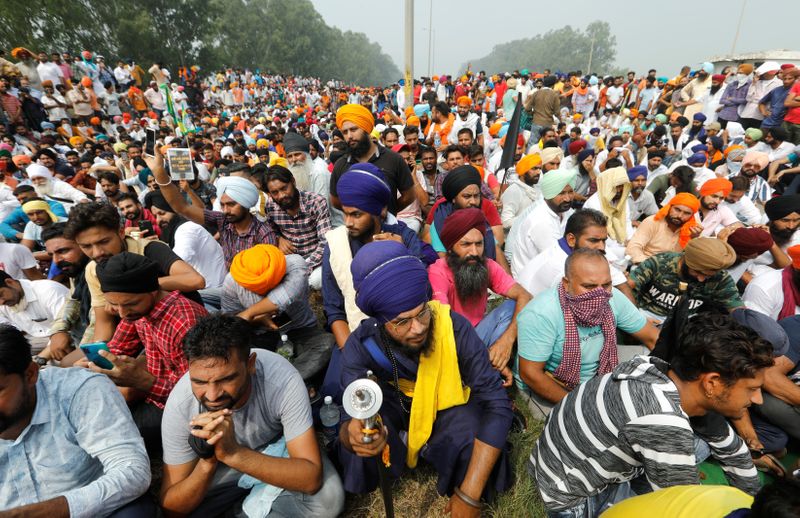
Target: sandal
[(768, 463)]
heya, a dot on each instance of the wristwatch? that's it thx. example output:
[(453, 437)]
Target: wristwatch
[(41, 362)]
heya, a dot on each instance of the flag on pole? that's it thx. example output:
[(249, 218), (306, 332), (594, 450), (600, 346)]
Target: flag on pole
[(510, 147)]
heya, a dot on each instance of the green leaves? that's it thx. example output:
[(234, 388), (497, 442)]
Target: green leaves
[(564, 49), (284, 36)]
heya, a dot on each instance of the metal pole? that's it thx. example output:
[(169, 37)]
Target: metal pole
[(409, 69), (738, 26), (433, 52), (591, 54), (430, 37)]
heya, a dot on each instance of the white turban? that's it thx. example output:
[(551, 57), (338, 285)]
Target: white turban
[(241, 190), (549, 154), (38, 171)]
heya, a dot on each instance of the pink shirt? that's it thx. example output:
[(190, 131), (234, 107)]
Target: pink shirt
[(444, 288)]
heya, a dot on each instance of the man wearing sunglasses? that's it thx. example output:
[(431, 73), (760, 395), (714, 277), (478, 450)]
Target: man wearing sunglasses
[(422, 352)]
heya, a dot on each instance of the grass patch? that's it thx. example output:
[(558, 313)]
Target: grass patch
[(415, 494)]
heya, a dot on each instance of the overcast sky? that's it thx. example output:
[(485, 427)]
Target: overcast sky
[(661, 35)]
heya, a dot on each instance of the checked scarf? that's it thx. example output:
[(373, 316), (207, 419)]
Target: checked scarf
[(587, 310)]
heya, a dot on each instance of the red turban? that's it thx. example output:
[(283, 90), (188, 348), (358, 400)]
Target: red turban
[(718, 78), (716, 185), (457, 224), (686, 200), (576, 146), (749, 242)]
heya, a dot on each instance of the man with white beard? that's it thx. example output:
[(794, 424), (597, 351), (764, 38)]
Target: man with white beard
[(49, 188), (308, 174)]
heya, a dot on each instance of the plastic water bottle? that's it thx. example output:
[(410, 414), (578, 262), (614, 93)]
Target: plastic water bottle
[(329, 415), (286, 349)]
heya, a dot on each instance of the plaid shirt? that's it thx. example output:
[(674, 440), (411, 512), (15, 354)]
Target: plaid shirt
[(306, 231), (232, 242), (160, 334)]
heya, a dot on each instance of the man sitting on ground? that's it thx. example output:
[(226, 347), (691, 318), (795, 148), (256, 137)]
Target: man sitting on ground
[(635, 421), (67, 439), (31, 306), (568, 334), (427, 357), (464, 277), (667, 231), (249, 408), (269, 289), (154, 322)]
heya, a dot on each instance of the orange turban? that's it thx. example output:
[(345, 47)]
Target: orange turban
[(494, 129), (76, 141), (435, 78), (687, 200), (527, 162), (464, 100), (259, 269), (356, 114), (94, 121), (413, 121), (731, 148), (409, 111), (86, 81), (716, 185), (794, 253), (21, 160)]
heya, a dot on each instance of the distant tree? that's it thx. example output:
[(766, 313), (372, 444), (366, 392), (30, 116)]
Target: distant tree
[(562, 49)]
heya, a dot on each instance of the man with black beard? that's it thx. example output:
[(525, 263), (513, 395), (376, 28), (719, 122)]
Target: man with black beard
[(299, 218), (464, 277), (72, 325), (356, 123), (784, 220), (461, 414), (430, 172), (641, 202), (67, 437), (521, 192)]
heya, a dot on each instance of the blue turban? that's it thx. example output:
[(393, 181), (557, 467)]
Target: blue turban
[(388, 280), (706, 67), (240, 190), (364, 186), (553, 182), (593, 80), (625, 128), (699, 117), (422, 109), (584, 154), (144, 174), (697, 158), (636, 172), (699, 147)]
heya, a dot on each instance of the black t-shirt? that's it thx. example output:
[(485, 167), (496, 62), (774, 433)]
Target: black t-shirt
[(161, 254), (396, 170)]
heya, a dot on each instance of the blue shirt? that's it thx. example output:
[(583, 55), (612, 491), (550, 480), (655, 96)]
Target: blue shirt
[(332, 298), (774, 101), (18, 218), (541, 332), (477, 373), (81, 444)]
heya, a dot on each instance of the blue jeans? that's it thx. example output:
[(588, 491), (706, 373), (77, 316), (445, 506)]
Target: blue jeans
[(596, 505), (492, 326)]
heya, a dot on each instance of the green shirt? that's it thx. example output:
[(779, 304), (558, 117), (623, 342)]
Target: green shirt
[(657, 281)]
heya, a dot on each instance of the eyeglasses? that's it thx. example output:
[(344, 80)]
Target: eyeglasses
[(423, 317)]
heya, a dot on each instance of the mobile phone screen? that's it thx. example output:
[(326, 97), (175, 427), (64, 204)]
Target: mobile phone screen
[(150, 142)]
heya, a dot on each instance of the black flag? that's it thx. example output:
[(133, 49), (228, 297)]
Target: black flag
[(510, 147)]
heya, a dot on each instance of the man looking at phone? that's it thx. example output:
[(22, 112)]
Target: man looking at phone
[(68, 444), (267, 288), (137, 218), (154, 322), (250, 411)]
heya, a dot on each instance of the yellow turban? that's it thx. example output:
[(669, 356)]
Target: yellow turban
[(464, 100), (259, 269), (356, 114), (413, 121), (527, 162), (39, 205), (262, 143), (76, 141), (276, 159)]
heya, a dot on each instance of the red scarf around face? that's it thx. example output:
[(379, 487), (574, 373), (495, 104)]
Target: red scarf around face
[(586, 310), (791, 294)]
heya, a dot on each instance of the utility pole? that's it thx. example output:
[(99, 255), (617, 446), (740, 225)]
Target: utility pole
[(409, 54), (738, 27), (430, 37), (591, 53)]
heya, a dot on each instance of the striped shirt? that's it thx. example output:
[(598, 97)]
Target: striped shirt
[(306, 230), (759, 191), (617, 427)]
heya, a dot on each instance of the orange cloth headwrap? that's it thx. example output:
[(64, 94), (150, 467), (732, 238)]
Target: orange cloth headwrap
[(259, 269), (716, 185), (413, 121), (464, 100), (86, 81), (527, 162), (794, 253), (687, 200), (356, 114)]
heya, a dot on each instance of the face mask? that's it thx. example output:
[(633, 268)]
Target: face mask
[(734, 167), (741, 78)]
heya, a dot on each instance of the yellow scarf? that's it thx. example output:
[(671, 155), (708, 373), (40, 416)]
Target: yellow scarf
[(439, 381), (617, 215)]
